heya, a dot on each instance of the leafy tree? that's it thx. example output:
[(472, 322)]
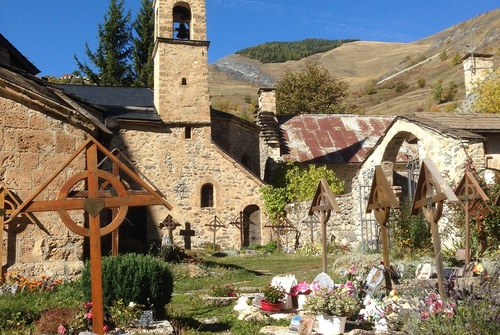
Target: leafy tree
[(143, 45), (437, 92), (292, 183), (112, 57), (488, 98), (312, 91)]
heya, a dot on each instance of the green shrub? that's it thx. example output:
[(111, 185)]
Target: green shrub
[(421, 83), (133, 278), (400, 87), (456, 59)]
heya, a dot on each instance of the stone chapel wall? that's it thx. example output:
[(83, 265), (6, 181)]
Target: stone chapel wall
[(179, 167), (33, 145)]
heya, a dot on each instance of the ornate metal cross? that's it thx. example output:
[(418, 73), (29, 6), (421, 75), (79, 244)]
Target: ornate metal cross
[(215, 225), (241, 221), (103, 190)]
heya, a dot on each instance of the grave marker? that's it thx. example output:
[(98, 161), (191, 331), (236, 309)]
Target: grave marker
[(187, 233)]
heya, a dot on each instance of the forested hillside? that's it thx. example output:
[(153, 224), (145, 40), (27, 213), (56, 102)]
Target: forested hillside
[(279, 52)]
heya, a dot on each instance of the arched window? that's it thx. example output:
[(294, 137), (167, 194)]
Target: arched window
[(207, 195), (182, 23)]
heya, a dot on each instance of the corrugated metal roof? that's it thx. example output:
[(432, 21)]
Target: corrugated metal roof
[(330, 138)]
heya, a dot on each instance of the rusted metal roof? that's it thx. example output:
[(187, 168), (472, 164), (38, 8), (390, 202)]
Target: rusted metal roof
[(313, 138)]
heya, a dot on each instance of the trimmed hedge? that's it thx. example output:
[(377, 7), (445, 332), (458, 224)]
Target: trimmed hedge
[(132, 278)]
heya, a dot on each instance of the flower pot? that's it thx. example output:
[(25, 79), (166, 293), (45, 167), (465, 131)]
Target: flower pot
[(267, 306), (301, 300), (331, 325)]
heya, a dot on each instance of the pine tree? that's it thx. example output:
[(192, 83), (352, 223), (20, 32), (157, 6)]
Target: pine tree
[(112, 57), (143, 45)]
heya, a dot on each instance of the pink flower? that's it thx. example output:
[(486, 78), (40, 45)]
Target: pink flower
[(105, 328), (88, 315), (424, 315), (61, 329)]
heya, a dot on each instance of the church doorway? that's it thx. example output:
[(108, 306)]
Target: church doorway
[(252, 232)]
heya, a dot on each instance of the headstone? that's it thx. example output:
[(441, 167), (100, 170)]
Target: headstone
[(374, 278), (324, 280), (286, 282), (424, 271), (146, 319)]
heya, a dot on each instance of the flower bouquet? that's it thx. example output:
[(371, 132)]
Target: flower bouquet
[(338, 301)]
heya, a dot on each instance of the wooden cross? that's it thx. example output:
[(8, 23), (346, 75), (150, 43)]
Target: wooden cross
[(241, 222), (215, 225), (311, 222), (283, 226), (187, 232), (170, 223), (381, 200), (469, 191), (104, 190), (323, 203), (430, 193)]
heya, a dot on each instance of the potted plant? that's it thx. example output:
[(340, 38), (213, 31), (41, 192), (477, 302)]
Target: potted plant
[(301, 292), (273, 298), (332, 306)]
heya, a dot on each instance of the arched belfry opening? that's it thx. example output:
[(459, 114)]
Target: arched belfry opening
[(182, 21)]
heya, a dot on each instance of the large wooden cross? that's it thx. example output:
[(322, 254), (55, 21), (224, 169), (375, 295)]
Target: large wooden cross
[(469, 192), (381, 200), (103, 190), (430, 193), (322, 205)]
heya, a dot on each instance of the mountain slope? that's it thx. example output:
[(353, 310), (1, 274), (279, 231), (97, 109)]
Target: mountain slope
[(234, 78)]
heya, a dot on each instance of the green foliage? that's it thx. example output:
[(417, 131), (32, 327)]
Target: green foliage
[(421, 82), (291, 183), (450, 93), (400, 87), (488, 94), (456, 59), (312, 90), (273, 294), (278, 52), (370, 87), (437, 92), (24, 308), (143, 45), (443, 55), (125, 315), (134, 278), (111, 59), (410, 234)]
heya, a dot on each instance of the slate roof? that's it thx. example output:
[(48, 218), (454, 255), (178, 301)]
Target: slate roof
[(461, 124), (337, 139), (125, 103), (17, 59)]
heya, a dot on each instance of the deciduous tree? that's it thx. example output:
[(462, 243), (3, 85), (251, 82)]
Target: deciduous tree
[(312, 91), (488, 99)]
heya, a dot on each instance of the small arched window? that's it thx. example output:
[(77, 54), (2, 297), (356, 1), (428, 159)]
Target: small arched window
[(182, 23), (207, 195)]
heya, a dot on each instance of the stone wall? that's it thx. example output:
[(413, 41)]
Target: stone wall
[(32, 147), (179, 167)]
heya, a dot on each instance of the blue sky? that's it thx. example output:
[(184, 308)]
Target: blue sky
[(50, 32)]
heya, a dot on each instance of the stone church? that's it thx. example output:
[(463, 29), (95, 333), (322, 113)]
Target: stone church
[(208, 166), (197, 158)]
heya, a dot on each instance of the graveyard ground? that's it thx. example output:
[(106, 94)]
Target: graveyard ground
[(200, 273)]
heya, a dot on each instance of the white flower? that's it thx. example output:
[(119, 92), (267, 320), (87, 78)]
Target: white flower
[(131, 304)]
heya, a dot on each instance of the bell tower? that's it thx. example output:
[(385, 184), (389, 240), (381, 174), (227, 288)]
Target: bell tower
[(180, 55)]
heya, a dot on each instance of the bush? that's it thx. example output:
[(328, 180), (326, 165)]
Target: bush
[(134, 278), (400, 87), (421, 83)]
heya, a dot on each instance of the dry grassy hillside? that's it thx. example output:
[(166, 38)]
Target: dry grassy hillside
[(358, 63)]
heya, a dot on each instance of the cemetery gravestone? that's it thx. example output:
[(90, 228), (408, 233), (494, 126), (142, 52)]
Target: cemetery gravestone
[(324, 280)]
